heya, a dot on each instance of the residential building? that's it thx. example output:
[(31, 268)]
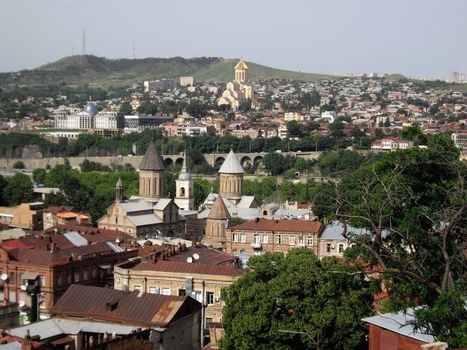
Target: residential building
[(160, 84), (52, 261), (460, 139), (262, 235), (393, 331), (25, 215), (391, 143), (137, 123), (88, 317), (293, 116), (64, 215), (332, 241), (195, 271), (186, 81)]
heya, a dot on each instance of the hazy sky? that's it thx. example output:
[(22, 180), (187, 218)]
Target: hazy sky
[(413, 37)]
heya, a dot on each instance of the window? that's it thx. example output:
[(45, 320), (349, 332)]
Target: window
[(234, 252), (300, 240), (165, 291), (137, 287), (328, 247), (181, 292), (154, 290), (234, 237), (59, 281), (197, 295), (279, 239), (182, 337), (265, 239), (85, 275), (182, 191), (242, 238), (12, 278), (68, 278), (341, 248), (209, 298), (256, 238), (309, 240), (292, 240), (76, 279), (94, 273), (256, 253)]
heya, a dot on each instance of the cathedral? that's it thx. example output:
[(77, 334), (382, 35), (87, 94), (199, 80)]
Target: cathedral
[(151, 214), (237, 91)]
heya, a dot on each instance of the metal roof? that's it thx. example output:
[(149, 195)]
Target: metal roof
[(400, 323), (55, 326), (231, 165), (134, 205), (11, 346), (76, 239), (162, 203), (151, 160), (145, 219)]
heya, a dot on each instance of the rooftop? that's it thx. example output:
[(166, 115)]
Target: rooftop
[(280, 225)]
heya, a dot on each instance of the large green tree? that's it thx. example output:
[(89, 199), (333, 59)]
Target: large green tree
[(296, 302), (18, 190), (414, 204)]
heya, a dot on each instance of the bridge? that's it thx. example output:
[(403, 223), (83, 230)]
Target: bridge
[(169, 159)]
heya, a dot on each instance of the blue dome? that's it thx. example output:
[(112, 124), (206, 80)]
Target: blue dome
[(91, 108)]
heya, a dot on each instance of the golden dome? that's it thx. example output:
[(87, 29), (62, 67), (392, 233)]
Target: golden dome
[(241, 65)]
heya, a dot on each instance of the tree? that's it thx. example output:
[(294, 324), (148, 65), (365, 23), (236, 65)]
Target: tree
[(296, 302), (125, 109), (294, 129), (39, 175), (3, 184), (19, 165), (18, 190), (414, 204)]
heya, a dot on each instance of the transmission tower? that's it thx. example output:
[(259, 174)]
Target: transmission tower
[(83, 43)]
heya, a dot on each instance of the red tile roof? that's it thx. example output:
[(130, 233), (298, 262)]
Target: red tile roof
[(280, 225)]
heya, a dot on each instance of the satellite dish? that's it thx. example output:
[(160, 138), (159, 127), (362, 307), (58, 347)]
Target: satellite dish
[(21, 303), (117, 240), (196, 256), (4, 276), (189, 260)]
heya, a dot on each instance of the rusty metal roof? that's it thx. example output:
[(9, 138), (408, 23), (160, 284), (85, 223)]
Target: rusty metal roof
[(123, 307), (280, 225)]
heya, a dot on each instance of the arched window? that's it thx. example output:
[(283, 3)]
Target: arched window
[(182, 191)]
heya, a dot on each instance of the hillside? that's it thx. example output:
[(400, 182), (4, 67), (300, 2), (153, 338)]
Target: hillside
[(122, 72)]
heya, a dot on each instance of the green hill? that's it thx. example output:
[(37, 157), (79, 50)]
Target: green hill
[(75, 70)]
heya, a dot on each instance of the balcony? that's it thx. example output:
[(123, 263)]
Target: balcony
[(256, 245)]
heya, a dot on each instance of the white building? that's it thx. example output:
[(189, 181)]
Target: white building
[(108, 120)]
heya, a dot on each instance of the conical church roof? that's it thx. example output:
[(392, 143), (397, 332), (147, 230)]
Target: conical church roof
[(151, 160), (184, 174), (219, 210), (241, 65), (231, 165), (119, 182)]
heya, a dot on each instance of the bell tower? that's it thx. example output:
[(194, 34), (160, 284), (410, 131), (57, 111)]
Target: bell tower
[(119, 190), (231, 178), (216, 223), (184, 189), (240, 71), (151, 175)]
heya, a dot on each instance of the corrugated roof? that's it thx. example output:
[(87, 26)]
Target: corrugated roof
[(76, 239), (231, 165), (219, 210), (145, 219), (162, 203), (53, 327), (151, 160), (400, 323), (114, 305), (281, 225), (194, 268), (135, 205)]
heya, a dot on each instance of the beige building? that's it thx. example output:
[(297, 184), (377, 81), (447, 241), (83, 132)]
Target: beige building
[(150, 214), (63, 215), (186, 81), (25, 215), (237, 91), (198, 272)]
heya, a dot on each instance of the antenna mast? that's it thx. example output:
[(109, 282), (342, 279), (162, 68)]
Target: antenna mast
[(83, 48)]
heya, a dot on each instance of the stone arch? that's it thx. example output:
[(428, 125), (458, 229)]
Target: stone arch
[(179, 161), (218, 162), (168, 162), (258, 160), (245, 161)]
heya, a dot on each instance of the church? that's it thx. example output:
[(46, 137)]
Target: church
[(237, 91), (151, 213)]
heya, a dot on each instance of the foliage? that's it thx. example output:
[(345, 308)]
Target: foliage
[(18, 190), (414, 204), (39, 175), (3, 184), (19, 165), (296, 302), (336, 163)]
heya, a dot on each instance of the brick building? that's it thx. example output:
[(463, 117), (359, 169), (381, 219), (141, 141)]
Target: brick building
[(25, 215), (49, 263), (262, 235), (197, 271)]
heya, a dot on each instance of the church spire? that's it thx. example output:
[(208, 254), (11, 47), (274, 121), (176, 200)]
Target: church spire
[(119, 190)]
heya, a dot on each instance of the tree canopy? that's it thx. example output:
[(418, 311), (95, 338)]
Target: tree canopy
[(296, 302), (414, 204)]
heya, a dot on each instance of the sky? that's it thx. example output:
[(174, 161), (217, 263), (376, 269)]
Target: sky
[(417, 38)]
